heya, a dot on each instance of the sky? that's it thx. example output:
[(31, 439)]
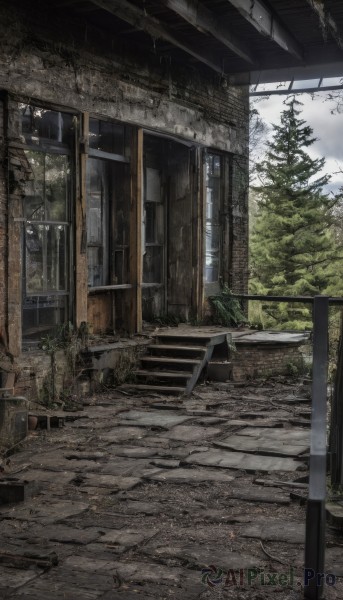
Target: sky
[(327, 124)]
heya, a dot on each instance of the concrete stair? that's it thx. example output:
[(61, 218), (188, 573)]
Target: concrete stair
[(174, 363)]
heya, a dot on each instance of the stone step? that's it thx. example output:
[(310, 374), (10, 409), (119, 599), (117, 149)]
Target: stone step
[(177, 350), (163, 374), (161, 389), (183, 341), (178, 364)]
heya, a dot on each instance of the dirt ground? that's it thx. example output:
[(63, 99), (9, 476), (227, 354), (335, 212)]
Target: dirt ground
[(144, 497)]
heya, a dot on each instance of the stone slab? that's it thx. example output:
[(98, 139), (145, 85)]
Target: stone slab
[(142, 508), (15, 578), (191, 476), (128, 538), (257, 494), (65, 534), (279, 531), (191, 433), (334, 561), (199, 556), (334, 512), (122, 434), (274, 442), (239, 460), (163, 419), (48, 512), (259, 445), (113, 482)]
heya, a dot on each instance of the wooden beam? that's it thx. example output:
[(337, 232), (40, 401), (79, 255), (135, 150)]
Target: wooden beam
[(143, 22), (327, 22), (266, 23), (205, 21), (81, 272), (136, 219)]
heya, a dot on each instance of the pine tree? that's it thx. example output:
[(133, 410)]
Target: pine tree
[(293, 251)]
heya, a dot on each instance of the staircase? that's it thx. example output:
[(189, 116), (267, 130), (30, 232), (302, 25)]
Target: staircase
[(175, 361)]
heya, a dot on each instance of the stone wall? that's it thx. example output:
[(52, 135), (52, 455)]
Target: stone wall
[(249, 362), (64, 62), (73, 65)]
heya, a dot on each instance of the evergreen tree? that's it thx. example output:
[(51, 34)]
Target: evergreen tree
[(293, 251)]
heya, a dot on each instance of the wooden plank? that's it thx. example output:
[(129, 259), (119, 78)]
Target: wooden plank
[(81, 273), (136, 217), (205, 21)]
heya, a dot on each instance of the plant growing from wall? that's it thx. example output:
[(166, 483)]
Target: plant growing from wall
[(226, 310), (70, 341)]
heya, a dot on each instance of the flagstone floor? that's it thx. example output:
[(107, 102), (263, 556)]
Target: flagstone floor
[(157, 498)]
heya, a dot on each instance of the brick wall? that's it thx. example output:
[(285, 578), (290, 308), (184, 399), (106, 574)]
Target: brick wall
[(249, 362)]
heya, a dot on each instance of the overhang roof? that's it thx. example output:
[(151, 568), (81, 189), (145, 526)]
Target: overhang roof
[(245, 41)]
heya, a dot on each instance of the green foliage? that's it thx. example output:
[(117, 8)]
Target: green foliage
[(226, 309), (293, 248)]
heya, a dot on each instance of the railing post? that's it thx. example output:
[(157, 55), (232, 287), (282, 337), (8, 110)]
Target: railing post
[(315, 517)]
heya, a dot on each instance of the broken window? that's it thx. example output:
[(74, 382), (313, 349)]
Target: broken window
[(213, 225), (47, 213), (108, 204)]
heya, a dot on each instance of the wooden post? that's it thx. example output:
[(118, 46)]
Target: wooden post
[(136, 218), (81, 274)]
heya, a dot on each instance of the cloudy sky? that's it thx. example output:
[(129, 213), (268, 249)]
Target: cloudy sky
[(327, 124)]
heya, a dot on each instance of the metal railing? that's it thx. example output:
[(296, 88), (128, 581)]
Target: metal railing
[(315, 515)]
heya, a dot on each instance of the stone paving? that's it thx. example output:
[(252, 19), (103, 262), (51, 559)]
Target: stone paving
[(158, 498)]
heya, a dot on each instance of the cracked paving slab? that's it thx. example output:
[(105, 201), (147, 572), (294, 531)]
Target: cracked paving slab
[(198, 556), (163, 419), (286, 531), (191, 433), (268, 441), (190, 475), (246, 462), (46, 511)]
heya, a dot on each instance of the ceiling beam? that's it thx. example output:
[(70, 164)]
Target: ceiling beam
[(268, 24), (327, 22), (303, 73), (141, 21), (205, 21)]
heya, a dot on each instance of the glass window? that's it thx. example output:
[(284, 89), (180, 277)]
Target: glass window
[(41, 125), (107, 136), (108, 222), (46, 209), (213, 227)]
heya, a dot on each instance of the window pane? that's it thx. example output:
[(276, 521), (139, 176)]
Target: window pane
[(107, 136), (46, 266), (213, 225), (34, 202), (43, 124), (56, 186), (42, 315), (46, 192), (98, 222)]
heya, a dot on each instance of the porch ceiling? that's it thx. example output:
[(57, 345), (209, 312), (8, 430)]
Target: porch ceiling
[(246, 41)]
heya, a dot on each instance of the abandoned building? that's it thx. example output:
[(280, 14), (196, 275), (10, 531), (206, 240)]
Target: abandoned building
[(124, 154)]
